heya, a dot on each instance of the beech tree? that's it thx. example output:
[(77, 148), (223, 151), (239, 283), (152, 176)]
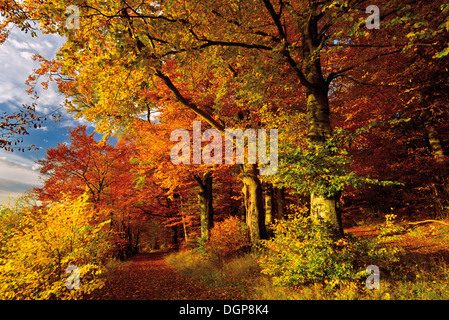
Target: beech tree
[(413, 88), (124, 50)]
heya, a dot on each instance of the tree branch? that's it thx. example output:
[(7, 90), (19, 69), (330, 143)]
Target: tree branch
[(334, 75), (188, 103)]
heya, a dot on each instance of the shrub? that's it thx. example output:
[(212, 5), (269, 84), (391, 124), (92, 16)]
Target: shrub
[(43, 244), (303, 253), (228, 238), (390, 231)]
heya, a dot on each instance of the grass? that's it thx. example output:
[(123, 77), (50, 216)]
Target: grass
[(236, 273), (116, 264), (419, 275)]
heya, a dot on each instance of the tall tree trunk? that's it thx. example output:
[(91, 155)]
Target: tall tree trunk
[(174, 237), (279, 194), (184, 228), (269, 208), (322, 208), (254, 206), (205, 202), (435, 143), (441, 187)]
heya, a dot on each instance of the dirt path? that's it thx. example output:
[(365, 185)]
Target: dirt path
[(148, 277)]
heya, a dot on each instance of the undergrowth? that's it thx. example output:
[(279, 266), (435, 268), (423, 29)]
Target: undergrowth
[(302, 263)]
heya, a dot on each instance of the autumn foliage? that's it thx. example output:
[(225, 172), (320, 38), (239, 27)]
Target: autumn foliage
[(37, 246), (361, 113), (228, 239)]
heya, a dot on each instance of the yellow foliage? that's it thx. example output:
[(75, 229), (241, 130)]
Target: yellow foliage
[(41, 244)]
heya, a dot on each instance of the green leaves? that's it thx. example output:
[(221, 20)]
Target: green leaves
[(324, 170), (301, 253), (442, 53)]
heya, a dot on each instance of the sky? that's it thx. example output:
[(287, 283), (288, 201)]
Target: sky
[(18, 170)]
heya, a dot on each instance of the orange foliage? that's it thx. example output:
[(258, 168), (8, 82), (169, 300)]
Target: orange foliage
[(228, 238)]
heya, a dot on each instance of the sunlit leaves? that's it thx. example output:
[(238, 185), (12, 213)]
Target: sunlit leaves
[(42, 243)]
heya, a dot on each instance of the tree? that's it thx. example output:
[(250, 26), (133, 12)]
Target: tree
[(205, 203), (130, 45), (156, 167), (402, 104), (82, 164), (42, 244), (103, 171)]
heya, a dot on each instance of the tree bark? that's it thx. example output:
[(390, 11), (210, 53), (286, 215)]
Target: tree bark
[(441, 187), (254, 206), (280, 202), (322, 208), (435, 143), (174, 237), (205, 203), (269, 208)]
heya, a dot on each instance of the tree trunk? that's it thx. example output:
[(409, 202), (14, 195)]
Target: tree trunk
[(174, 237), (280, 202), (441, 187), (254, 206), (269, 208), (322, 208), (435, 143), (205, 202), (184, 227)]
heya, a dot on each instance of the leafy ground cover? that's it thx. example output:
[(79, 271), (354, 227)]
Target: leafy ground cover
[(420, 273), (148, 277)]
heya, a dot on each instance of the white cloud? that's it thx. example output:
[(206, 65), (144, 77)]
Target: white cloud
[(18, 174), (15, 159), (16, 65), (27, 55), (18, 44), (9, 197), (71, 123)]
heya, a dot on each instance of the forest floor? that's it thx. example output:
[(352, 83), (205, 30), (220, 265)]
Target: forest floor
[(148, 277), (425, 241)]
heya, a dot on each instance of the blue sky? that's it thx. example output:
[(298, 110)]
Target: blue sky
[(18, 171)]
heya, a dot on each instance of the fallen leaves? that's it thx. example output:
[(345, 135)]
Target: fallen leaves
[(148, 277)]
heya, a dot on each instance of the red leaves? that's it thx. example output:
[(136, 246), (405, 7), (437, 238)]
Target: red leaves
[(148, 277)]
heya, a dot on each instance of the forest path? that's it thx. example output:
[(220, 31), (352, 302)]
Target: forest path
[(148, 277)]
